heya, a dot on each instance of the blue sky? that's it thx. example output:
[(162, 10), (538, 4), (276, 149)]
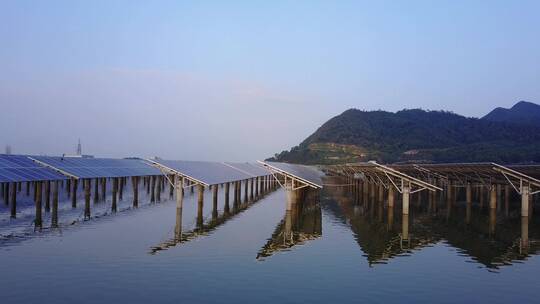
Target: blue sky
[(240, 80)]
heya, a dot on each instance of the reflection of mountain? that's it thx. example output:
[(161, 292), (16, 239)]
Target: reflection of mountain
[(301, 224), (491, 239)]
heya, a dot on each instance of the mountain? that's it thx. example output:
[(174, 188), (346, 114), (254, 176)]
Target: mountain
[(522, 112), (415, 136)]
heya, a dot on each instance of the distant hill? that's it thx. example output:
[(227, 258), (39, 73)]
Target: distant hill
[(522, 112), (415, 136)]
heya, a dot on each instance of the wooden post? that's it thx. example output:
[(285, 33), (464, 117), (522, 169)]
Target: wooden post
[(38, 220), (54, 215), (114, 207), (14, 201), (135, 184), (74, 194), (87, 185)]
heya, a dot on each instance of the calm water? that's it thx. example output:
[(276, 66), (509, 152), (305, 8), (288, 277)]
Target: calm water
[(330, 249)]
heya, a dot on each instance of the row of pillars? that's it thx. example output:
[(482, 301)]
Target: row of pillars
[(254, 189)]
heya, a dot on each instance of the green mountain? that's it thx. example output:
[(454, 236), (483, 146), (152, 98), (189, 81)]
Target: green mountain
[(415, 136), (522, 112)]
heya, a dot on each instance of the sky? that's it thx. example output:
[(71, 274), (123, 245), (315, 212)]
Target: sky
[(242, 80)]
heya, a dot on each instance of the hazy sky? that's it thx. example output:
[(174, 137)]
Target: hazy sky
[(241, 80)]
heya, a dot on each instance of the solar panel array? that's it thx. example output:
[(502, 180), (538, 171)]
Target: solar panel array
[(19, 168), (249, 168), (83, 167), (212, 173), (306, 173)]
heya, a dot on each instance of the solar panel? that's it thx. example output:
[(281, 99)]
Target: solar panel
[(209, 173), (252, 169), (83, 167), (306, 173), (20, 168)]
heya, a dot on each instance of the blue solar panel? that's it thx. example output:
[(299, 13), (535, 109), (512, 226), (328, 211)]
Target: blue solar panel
[(20, 168), (83, 167), (306, 173), (255, 170), (209, 173)]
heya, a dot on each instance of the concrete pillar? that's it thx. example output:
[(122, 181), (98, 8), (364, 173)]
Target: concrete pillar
[(178, 226), (14, 200), (492, 219), (120, 188), (525, 196), (257, 187), (226, 206), (492, 197), (103, 189), (391, 196), (38, 222), (74, 193), (159, 183), (54, 215), (114, 193), (171, 188), (246, 198), (235, 200), (96, 190), (200, 203), (506, 199), (381, 194), (214, 197), (406, 198), (405, 227), (468, 194), (366, 192), (390, 217), (87, 186), (179, 193), (135, 185), (251, 189), (47, 196), (525, 233), (153, 189)]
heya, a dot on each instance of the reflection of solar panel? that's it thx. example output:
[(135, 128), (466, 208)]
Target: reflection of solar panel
[(99, 167), (306, 173), (208, 173), (19, 168), (249, 168)]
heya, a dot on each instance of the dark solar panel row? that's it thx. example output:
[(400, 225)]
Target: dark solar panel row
[(213, 173), (306, 173), (99, 167), (20, 168)]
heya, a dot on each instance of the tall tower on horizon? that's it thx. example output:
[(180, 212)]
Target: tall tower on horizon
[(79, 148)]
